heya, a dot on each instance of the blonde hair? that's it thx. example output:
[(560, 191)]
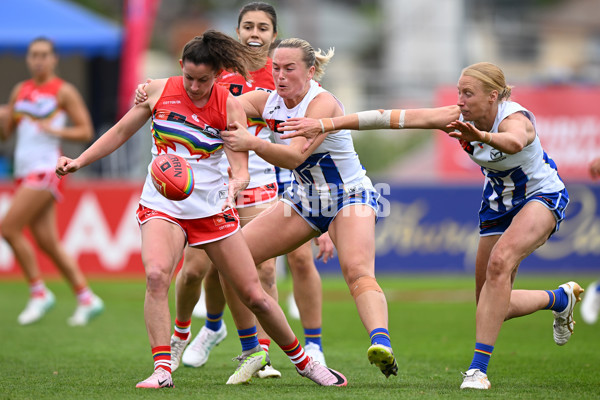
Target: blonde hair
[(309, 55), (492, 78)]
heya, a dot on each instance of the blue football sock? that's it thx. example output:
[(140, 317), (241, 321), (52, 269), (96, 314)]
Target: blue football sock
[(558, 300), (481, 358), (248, 338), (214, 321), (313, 336), (380, 336)]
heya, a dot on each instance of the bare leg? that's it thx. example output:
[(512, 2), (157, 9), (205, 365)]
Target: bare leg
[(529, 230), (27, 204), (307, 286), (266, 269), (189, 281), (45, 234), (229, 255), (353, 233), (215, 299), (522, 302), (162, 247)]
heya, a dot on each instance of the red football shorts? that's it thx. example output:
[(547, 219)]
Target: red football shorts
[(43, 181), (197, 231), (257, 195)]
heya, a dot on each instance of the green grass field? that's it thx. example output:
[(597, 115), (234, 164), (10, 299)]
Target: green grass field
[(431, 323)]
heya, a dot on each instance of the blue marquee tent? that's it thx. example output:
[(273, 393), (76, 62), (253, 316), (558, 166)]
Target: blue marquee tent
[(74, 29)]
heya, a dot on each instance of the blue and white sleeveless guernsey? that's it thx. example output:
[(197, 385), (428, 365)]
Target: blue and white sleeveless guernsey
[(511, 180), (331, 178)]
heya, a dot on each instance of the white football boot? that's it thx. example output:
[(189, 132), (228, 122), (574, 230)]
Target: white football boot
[(196, 354), (85, 312), (563, 321), (475, 379), (36, 308)]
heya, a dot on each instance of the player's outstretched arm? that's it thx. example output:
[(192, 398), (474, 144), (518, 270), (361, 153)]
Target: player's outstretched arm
[(422, 118)]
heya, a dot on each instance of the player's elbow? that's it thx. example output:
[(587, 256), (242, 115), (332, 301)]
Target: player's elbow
[(293, 162), (514, 148)]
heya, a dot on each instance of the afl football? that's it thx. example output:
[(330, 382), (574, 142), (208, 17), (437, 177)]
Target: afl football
[(172, 176)]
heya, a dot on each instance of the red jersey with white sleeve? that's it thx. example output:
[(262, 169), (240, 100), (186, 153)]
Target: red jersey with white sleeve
[(36, 150), (261, 172), (179, 127)]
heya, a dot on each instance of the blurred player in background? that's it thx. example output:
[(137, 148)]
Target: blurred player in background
[(257, 29), (186, 112), (590, 306), (38, 112), (331, 192), (523, 204)]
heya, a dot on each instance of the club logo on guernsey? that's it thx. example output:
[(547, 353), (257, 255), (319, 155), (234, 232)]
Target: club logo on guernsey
[(496, 155), (273, 124), (235, 89)]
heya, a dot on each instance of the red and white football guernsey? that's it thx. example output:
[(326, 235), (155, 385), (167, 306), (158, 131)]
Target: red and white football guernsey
[(179, 127), (261, 172), (35, 149)]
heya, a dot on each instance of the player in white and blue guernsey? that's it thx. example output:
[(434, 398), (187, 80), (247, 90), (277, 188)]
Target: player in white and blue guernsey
[(523, 202), (330, 193)]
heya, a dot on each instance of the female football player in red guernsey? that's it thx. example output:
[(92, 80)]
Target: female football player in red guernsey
[(37, 112), (188, 113)]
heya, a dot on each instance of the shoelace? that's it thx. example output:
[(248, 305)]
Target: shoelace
[(241, 359), (201, 342)]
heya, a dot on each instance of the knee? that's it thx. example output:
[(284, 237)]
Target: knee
[(8, 232), (498, 267), (46, 245), (300, 261), (157, 280), (266, 272), (256, 300), (362, 284), (191, 274), (356, 269)]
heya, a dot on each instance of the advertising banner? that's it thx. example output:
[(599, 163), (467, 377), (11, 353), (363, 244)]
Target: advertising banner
[(422, 229)]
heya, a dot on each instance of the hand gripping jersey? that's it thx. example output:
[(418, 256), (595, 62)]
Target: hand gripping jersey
[(179, 127), (261, 172), (511, 178), (333, 169), (36, 150)]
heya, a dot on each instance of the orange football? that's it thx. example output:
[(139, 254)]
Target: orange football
[(172, 176)]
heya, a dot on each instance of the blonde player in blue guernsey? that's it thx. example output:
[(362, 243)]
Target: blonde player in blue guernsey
[(188, 114), (38, 114), (523, 203), (330, 193)]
